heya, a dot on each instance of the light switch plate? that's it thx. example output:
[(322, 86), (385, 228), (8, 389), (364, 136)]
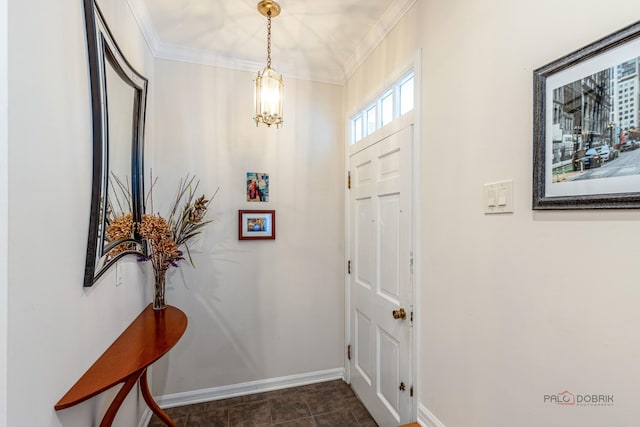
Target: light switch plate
[(498, 197)]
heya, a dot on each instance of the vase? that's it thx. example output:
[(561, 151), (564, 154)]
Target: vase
[(159, 302)]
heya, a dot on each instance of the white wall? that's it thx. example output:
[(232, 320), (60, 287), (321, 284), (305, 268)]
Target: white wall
[(57, 328), (516, 306), (266, 309), (4, 152)]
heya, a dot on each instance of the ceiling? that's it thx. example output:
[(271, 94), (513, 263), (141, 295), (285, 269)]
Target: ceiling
[(315, 40)]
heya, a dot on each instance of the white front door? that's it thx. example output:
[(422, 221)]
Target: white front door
[(380, 251)]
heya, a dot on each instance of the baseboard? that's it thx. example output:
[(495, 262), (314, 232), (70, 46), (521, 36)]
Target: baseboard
[(234, 390), (427, 419), (146, 417)]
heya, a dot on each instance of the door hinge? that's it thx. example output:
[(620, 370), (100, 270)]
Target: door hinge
[(349, 180), (402, 387), (349, 352), (411, 318), (349, 267), (411, 392)]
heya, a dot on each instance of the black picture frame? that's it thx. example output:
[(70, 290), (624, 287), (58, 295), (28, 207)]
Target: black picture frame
[(577, 111)]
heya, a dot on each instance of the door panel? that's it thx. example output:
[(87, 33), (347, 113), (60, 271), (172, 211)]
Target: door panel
[(380, 249), (389, 247), (389, 371), (363, 257), (363, 341)]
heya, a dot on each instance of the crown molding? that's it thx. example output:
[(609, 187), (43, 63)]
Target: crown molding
[(214, 59), (206, 57), (161, 50), (377, 34), (143, 19)]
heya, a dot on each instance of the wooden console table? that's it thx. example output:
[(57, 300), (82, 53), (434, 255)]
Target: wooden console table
[(152, 334)]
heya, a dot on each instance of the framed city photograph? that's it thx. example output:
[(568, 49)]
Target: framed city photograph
[(586, 131), (256, 225)]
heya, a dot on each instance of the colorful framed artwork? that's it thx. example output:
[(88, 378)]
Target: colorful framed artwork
[(256, 225), (257, 187), (586, 126)]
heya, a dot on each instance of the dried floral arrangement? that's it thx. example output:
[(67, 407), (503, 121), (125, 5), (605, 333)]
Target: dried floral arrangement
[(118, 217), (166, 237), (185, 221)]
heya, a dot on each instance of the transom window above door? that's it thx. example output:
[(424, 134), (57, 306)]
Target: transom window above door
[(393, 102)]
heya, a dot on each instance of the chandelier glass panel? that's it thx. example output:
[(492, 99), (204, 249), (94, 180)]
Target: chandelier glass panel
[(269, 86)]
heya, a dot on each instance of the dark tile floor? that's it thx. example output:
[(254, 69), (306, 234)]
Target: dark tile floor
[(330, 404)]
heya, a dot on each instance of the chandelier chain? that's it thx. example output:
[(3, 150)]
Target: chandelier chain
[(269, 38)]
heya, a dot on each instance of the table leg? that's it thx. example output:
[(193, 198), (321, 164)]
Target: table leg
[(129, 382), (144, 388)]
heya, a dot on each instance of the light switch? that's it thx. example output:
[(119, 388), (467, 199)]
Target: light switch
[(491, 201), (502, 197), (498, 197)]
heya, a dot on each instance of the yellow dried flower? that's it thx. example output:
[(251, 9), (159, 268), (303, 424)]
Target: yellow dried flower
[(154, 227), (199, 210), (120, 228), (164, 250)]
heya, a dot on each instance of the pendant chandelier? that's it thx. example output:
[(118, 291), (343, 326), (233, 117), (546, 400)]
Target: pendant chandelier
[(269, 86)]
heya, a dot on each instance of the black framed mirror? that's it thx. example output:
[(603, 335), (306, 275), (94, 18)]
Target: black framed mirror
[(118, 103)]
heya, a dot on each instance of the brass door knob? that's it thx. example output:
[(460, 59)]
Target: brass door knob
[(399, 314)]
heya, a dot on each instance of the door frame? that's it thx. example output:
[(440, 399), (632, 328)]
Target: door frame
[(412, 118)]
